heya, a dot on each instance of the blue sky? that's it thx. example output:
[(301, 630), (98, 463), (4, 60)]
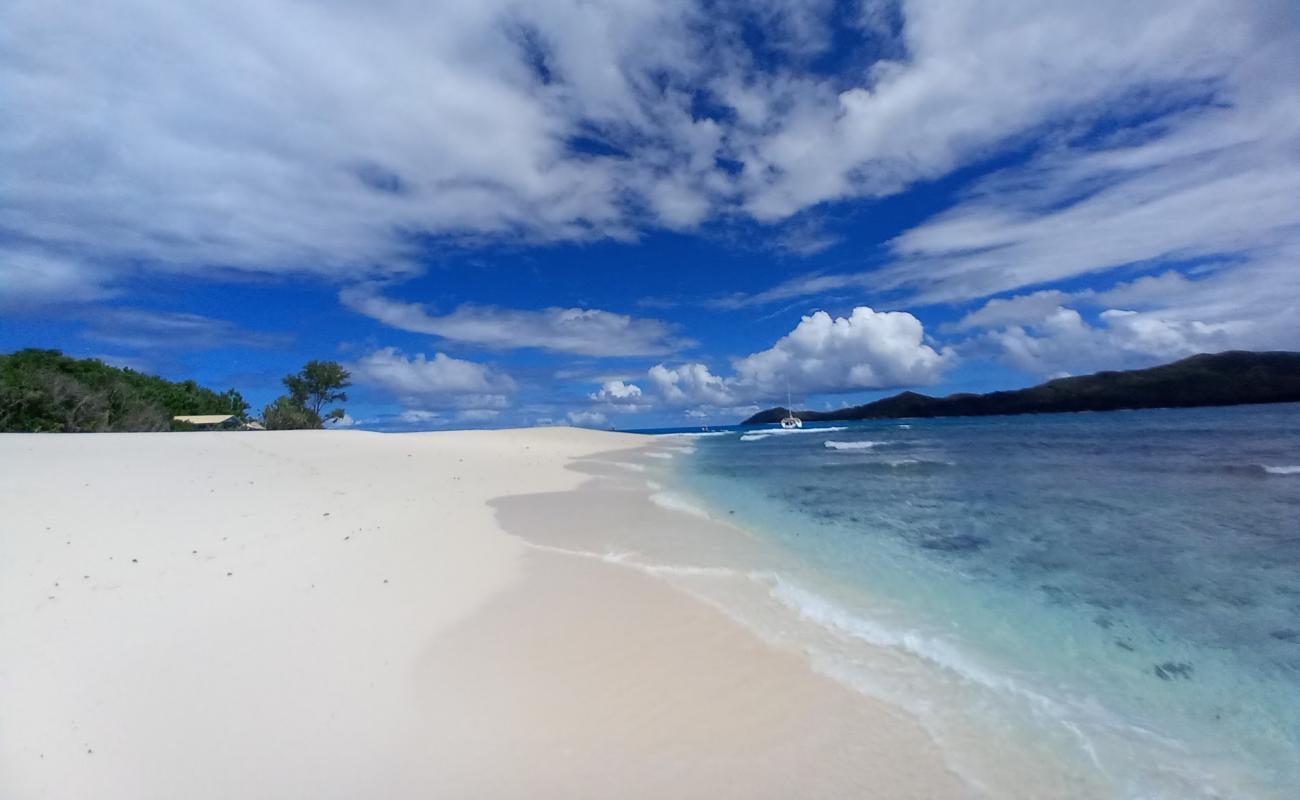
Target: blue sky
[(643, 213)]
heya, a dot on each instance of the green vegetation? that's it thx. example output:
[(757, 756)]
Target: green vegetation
[(1222, 379), (46, 391), (310, 390)]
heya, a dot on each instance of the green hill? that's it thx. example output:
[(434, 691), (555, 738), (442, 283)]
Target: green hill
[(46, 391), (1221, 379)]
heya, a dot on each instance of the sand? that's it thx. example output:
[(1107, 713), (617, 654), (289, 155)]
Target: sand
[(345, 614)]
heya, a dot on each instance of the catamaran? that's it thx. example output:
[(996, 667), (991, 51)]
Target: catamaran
[(790, 421)]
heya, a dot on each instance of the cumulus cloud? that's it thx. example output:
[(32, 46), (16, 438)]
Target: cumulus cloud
[(691, 384), (420, 382), (590, 332), (617, 392), (868, 349), (587, 419)]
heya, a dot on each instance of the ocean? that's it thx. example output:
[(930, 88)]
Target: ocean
[(1082, 605)]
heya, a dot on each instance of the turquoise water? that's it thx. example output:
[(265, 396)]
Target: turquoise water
[(1116, 595)]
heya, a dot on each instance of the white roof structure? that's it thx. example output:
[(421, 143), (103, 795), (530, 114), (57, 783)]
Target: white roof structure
[(204, 419)]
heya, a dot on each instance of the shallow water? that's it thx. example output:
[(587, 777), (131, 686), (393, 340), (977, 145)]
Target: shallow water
[(1113, 598)]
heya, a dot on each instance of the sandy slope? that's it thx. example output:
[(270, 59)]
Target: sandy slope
[(339, 615)]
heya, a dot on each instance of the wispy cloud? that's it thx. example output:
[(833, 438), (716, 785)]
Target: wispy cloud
[(589, 332), (31, 279), (142, 329)]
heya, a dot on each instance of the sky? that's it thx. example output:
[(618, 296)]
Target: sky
[(644, 213)]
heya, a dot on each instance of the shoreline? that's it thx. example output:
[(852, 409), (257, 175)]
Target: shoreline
[(339, 614)]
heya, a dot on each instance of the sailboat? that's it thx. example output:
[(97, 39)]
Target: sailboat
[(790, 421)]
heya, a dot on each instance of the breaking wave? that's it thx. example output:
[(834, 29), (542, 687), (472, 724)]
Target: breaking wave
[(1282, 470), (832, 445)]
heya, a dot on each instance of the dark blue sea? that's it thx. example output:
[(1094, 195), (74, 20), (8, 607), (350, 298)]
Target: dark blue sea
[(1109, 601)]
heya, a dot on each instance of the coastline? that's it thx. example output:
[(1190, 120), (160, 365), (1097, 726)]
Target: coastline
[(343, 613)]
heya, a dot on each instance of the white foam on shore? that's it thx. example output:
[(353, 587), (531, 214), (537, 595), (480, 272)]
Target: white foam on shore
[(621, 465), (1282, 470), (833, 445), (675, 502), (609, 558), (627, 559), (656, 454), (686, 570), (815, 608), (694, 434), (754, 437)]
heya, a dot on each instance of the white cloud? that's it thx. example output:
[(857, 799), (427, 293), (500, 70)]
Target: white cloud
[(588, 419), (1158, 290), (617, 392), (1013, 310), (143, 329), (1144, 321), (972, 76), (1194, 164), (346, 421), (690, 384), (416, 416), (868, 349), (418, 381), (206, 137), (32, 279), (1063, 341), (589, 332)]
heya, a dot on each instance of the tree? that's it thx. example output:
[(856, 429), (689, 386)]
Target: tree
[(318, 383), (286, 414)]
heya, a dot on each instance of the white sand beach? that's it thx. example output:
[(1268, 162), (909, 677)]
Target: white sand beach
[(344, 614)]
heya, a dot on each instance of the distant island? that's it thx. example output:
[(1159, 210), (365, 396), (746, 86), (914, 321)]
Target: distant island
[(1221, 379)]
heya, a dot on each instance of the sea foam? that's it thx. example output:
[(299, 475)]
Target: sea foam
[(674, 502), (1283, 470), (918, 462), (832, 445), (754, 437), (823, 612)]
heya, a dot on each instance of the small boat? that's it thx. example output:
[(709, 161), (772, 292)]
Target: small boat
[(790, 421)]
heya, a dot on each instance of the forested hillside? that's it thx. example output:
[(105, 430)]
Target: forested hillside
[(46, 391)]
